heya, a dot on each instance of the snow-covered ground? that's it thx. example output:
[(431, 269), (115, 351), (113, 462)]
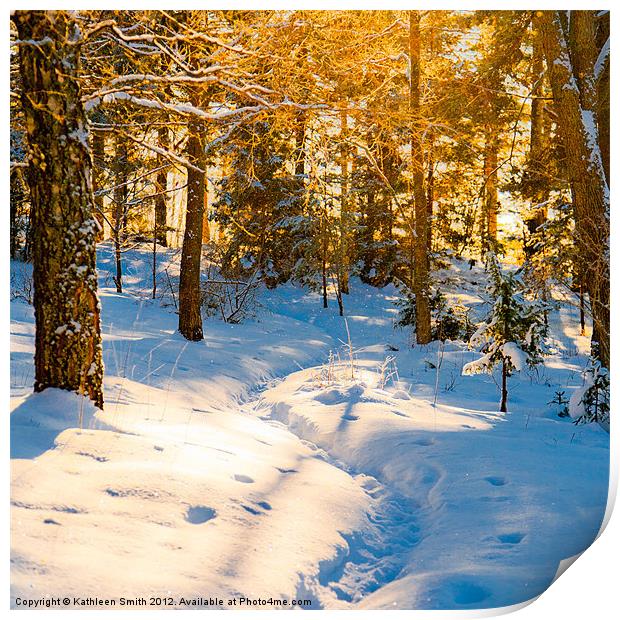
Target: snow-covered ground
[(250, 465)]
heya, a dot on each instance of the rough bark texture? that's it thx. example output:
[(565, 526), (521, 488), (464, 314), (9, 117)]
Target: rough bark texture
[(602, 89), (67, 311), (190, 319), (577, 124), (421, 258)]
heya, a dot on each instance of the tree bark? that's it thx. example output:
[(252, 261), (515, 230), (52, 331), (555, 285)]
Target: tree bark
[(98, 172), (503, 406), (578, 129), (190, 318), (120, 207), (161, 183), (602, 91), (67, 310), (421, 258), (345, 218), (490, 190)]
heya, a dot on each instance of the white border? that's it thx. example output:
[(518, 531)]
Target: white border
[(589, 588)]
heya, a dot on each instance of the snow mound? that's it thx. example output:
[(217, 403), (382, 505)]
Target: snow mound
[(338, 395)]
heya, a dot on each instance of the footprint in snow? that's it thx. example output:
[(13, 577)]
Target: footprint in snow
[(468, 593), (514, 538), (496, 481), (243, 478), (284, 470), (424, 441), (199, 514)]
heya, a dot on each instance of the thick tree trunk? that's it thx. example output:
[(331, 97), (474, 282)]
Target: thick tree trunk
[(190, 318), (421, 258), (602, 90), (161, 184), (578, 129), (68, 338)]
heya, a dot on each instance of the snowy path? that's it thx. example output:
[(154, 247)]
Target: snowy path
[(347, 492)]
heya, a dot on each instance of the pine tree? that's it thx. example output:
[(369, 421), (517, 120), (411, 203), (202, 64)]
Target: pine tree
[(513, 331)]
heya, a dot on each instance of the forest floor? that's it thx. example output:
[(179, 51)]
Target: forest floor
[(249, 465)]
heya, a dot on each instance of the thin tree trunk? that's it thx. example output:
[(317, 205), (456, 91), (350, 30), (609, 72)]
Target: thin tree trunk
[(490, 190), (339, 294), (154, 266), (190, 318), (120, 207), (503, 407), (161, 184), (300, 138), (324, 277), (68, 336), (98, 169), (16, 199), (345, 223), (582, 308), (421, 266)]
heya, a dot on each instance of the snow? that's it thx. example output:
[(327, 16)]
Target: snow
[(247, 465), (602, 60), (514, 353)]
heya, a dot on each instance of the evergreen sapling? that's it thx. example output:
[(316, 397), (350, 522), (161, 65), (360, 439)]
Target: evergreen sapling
[(512, 334)]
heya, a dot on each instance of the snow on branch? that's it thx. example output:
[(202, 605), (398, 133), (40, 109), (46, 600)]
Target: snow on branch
[(602, 60)]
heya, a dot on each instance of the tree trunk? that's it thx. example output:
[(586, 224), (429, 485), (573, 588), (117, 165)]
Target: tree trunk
[(538, 183), (161, 184), (490, 191), (98, 173), (300, 139), (602, 91), (68, 337), (421, 258), (190, 318), (345, 219), (503, 406), (120, 207), (15, 200), (324, 279), (578, 129), (582, 308)]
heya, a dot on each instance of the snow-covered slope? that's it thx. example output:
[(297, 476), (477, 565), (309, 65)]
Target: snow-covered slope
[(371, 484)]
